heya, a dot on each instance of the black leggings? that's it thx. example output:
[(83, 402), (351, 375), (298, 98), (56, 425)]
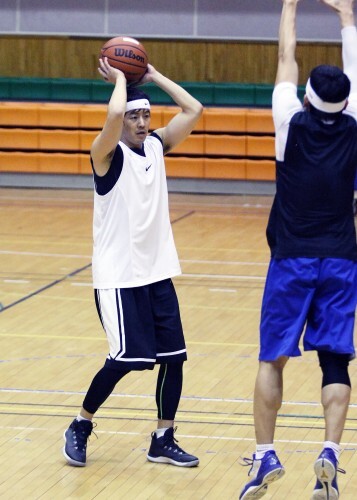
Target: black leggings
[(168, 389)]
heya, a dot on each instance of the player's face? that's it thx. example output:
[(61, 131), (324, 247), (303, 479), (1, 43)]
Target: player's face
[(136, 127)]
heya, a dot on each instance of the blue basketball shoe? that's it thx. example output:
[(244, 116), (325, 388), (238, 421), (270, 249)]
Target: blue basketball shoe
[(164, 450), (265, 471), (326, 473), (75, 437)]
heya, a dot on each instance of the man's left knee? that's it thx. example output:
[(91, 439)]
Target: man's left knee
[(334, 368)]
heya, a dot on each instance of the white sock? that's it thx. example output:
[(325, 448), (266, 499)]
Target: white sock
[(261, 449), (335, 447), (80, 418), (160, 432)]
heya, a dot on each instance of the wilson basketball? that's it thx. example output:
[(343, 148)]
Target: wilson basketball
[(128, 55)]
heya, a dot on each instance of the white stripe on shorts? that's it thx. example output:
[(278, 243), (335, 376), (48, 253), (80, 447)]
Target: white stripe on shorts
[(147, 360), (170, 353), (111, 310)]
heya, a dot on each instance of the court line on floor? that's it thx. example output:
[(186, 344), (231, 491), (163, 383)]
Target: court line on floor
[(45, 254), (69, 275), (174, 204), (224, 276), (283, 419), (191, 436), (346, 445), (150, 396), (185, 261), (104, 339), (192, 419), (46, 287)]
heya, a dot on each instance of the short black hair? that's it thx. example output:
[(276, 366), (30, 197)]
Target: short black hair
[(133, 93), (332, 85)]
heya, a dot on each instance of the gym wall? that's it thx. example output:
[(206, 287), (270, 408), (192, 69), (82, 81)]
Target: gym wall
[(188, 40)]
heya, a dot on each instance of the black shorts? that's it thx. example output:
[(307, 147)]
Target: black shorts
[(143, 325)]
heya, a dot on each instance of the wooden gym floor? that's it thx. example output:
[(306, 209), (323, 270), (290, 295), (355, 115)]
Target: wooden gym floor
[(52, 344)]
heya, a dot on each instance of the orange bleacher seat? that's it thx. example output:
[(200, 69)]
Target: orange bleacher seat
[(224, 168), (260, 146), (225, 120), (223, 133), (59, 116), (92, 116), (260, 170), (86, 138), (58, 139), (225, 145), (59, 163), (19, 138), (260, 121), (84, 164), (168, 112), (156, 119), (193, 144), (19, 114), (15, 161), (184, 167)]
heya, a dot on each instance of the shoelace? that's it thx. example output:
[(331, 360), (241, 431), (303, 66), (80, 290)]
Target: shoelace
[(250, 462), (171, 443), (247, 461), (94, 426), (81, 436)]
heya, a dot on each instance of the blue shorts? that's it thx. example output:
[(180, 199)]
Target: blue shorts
[(143, 325), (318, 295)]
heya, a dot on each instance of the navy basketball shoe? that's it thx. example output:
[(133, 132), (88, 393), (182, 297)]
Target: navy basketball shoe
[(75, 437), (164, 450)]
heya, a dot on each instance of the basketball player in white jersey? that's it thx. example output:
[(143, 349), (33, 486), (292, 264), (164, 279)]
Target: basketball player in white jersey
[(134, 259)]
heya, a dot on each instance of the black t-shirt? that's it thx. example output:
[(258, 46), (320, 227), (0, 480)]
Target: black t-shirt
[(312, 213)]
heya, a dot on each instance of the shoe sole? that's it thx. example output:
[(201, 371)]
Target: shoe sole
[(166, 460), (325, 472), (255, 492), (70, 460)]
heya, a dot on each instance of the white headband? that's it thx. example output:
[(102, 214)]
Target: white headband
[(318, 103), (137, 104)]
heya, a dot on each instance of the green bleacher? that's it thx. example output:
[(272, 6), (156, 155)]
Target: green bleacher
[(97, 91)]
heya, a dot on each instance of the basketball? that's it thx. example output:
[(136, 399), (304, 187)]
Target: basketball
[(128, 55)]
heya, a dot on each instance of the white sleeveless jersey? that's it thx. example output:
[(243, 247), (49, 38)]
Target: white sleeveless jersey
[(133, 240)]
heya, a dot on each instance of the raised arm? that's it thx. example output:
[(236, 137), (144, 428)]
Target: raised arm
[(287, 66), (181, 125), (344, 9), (104, 144)]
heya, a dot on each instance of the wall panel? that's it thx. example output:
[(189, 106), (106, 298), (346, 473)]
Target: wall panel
[(205, 61), (187, 19)]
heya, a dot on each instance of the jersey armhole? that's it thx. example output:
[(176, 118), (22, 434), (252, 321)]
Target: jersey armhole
[(104, 184), (153, 134)]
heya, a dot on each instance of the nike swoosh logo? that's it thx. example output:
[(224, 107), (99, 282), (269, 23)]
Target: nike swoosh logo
[(147, 168)]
